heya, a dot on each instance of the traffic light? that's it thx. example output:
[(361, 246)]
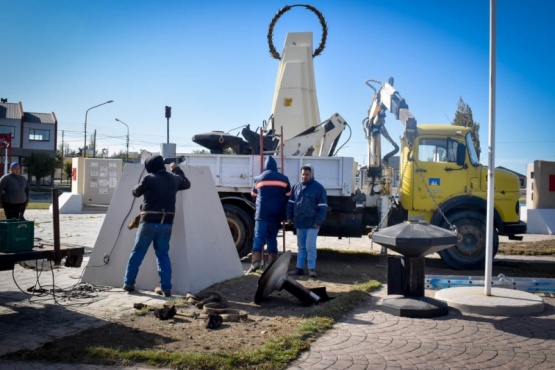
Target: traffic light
[(168, 111)]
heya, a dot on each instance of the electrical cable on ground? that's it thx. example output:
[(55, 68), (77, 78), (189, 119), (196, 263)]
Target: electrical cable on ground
[(73, 295)]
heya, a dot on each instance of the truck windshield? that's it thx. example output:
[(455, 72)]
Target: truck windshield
[(472, 151), (437, 150)]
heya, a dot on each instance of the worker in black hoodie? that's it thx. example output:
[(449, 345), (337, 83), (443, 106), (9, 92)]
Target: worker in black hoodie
[(159, 189)]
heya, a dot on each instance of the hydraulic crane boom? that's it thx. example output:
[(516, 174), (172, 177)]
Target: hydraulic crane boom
[(386, 98)]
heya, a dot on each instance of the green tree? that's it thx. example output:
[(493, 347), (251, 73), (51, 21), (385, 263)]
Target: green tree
[(121, 155), (41, 165), (59, 156), (463, 117), (67, 167)]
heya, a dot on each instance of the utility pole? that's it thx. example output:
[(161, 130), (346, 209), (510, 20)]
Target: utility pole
[(62, 170)]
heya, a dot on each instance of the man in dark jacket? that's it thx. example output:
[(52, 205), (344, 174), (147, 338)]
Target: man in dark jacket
[(307, 209), (14, 193), (270, 190), (159, 189)]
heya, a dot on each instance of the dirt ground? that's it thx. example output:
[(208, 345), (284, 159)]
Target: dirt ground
[(281, 311)]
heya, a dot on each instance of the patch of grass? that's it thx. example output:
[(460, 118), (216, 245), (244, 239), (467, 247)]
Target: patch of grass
[(275, 354), (536, 270), (145, 310), (38, 205), (538, 248)]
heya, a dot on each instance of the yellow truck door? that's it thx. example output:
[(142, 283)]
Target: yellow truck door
[(436, 172)]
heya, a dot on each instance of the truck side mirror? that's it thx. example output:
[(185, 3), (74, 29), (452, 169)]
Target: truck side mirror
[(461, 154)]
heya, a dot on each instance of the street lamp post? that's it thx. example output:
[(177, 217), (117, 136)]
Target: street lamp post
[(86, 113), (127, 155)]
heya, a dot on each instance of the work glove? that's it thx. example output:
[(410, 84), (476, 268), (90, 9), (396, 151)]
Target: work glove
[(135, 223)]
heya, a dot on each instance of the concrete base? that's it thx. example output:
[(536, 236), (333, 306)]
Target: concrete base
[(501, 302), (417, 307), (540, 221), (69, 203)]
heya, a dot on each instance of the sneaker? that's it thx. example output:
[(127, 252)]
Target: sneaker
[(312, 273), (254, 267), (297, 272), (165, 293), (128, 288)]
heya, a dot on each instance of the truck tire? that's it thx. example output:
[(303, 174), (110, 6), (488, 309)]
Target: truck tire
[(470, 252), (241, 225)]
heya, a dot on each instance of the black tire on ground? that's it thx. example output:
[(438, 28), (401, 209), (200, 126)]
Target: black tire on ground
[(470, 252), (241, 225)]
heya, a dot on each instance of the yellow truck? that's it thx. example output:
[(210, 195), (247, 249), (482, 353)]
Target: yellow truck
[(441, 180)]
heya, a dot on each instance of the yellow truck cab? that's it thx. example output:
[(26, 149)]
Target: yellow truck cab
[(443, 182)]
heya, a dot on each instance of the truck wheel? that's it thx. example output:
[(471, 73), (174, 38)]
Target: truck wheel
[(241, 225), (470, 252)]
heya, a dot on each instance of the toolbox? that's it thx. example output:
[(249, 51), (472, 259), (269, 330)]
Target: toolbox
[(16, 236)]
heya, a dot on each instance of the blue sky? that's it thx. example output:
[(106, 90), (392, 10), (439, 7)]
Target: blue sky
[(209, 61)]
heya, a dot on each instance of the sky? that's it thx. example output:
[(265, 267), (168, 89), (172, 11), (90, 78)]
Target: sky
[(209, 61)]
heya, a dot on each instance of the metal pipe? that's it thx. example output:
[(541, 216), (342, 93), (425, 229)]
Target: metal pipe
[(56, 226)]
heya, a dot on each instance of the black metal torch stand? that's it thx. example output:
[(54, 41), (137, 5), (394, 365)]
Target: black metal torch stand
[(405, 273), (405, 277)]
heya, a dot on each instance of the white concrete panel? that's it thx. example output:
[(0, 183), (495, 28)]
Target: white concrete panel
[(69, 203), (530, 186), (540, 221), (96, 179), (524, 213), (202, 250), (540, 190)]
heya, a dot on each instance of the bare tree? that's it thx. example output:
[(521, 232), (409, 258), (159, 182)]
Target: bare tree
[(463, 117)]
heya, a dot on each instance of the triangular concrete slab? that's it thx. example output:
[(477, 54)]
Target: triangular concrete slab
[(202, 250)]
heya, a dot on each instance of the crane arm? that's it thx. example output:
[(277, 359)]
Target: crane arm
[(386, 98)]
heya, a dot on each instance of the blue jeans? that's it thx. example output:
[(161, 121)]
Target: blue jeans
[(306, 242), (265, 232), (159, 235)]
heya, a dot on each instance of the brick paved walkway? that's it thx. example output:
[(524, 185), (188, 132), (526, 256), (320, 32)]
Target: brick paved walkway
[(371, 339)]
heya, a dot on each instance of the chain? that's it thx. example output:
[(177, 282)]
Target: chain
[(401, 179)]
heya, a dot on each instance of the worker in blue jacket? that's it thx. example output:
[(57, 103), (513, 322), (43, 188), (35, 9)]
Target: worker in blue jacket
[(306, 210), (270, 189)]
